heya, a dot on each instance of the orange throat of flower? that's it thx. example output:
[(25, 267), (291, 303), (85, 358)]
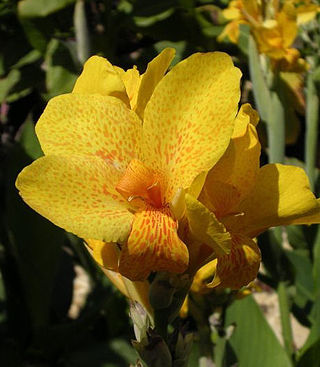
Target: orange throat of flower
[(141, 186)]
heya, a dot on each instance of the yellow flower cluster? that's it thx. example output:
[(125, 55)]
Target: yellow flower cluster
[(160, 172), (273, 26)]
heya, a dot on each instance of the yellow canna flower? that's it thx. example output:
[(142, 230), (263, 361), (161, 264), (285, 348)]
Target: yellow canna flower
[(240, 12), (306, 10), (110, 175), (247, 200), (274, 28), (275, 37)]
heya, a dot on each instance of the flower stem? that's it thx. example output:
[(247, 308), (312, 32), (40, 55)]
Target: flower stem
[(311, 137), (276, 129), (285, 319), (81, 31), (266, 94), (205, 347)]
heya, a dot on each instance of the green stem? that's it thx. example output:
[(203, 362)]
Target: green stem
[(258, 78), (266, 91), (205, 347), (285, 319), (81, 31), (198, 310), (311, 137), (276, 129), (161, 323)]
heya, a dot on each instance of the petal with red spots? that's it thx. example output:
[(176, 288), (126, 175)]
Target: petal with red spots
[(238, 268), (189, 119), (153, 245), (89, 124), (77, 193)]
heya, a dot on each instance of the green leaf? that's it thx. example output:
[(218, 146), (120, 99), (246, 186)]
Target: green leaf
[(253, 341), (303, 275), (316, 256), (311, 357), (180, 48), (27, 59), (41, 8), (244, 34), (36, 243), (29, 77), (117, 354), (7, 83), (296, 237), (61, 70), (260, 88), (29, 141), (37, 31), (315, 313)]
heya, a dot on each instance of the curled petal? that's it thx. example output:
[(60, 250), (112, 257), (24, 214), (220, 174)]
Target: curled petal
[(100, 77), (135, 291), (238, 268), (132, 80), (203, 276), (105, 254), (153, 245), (149, 80), (205, 227)]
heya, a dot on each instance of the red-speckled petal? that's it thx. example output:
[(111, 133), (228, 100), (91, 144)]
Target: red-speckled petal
[(89, 124), (238, 268), (189, 119), (77, 193), (153, 245)]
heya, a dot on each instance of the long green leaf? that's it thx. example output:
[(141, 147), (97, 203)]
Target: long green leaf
[(253, 341)]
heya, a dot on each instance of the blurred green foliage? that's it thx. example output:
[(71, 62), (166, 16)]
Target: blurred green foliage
[(39, 262)]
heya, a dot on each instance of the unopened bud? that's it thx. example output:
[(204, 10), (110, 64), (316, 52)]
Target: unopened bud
[(153, 350), (140, 319)]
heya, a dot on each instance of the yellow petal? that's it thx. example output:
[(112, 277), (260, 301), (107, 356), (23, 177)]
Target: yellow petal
[(233, 11), (89, 124), (99, 77), (238, 268), (206, 228), (154, 73), (105, 254), (132, 80), (77, 193), (189, 119), (233, 177), (135, 291), (203, 276), (232, 30), (153, 245), (183, 313), (282, 196), (287, 20), (305, 13)]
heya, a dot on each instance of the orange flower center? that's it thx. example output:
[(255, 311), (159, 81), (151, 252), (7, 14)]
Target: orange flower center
[(141, 183)]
